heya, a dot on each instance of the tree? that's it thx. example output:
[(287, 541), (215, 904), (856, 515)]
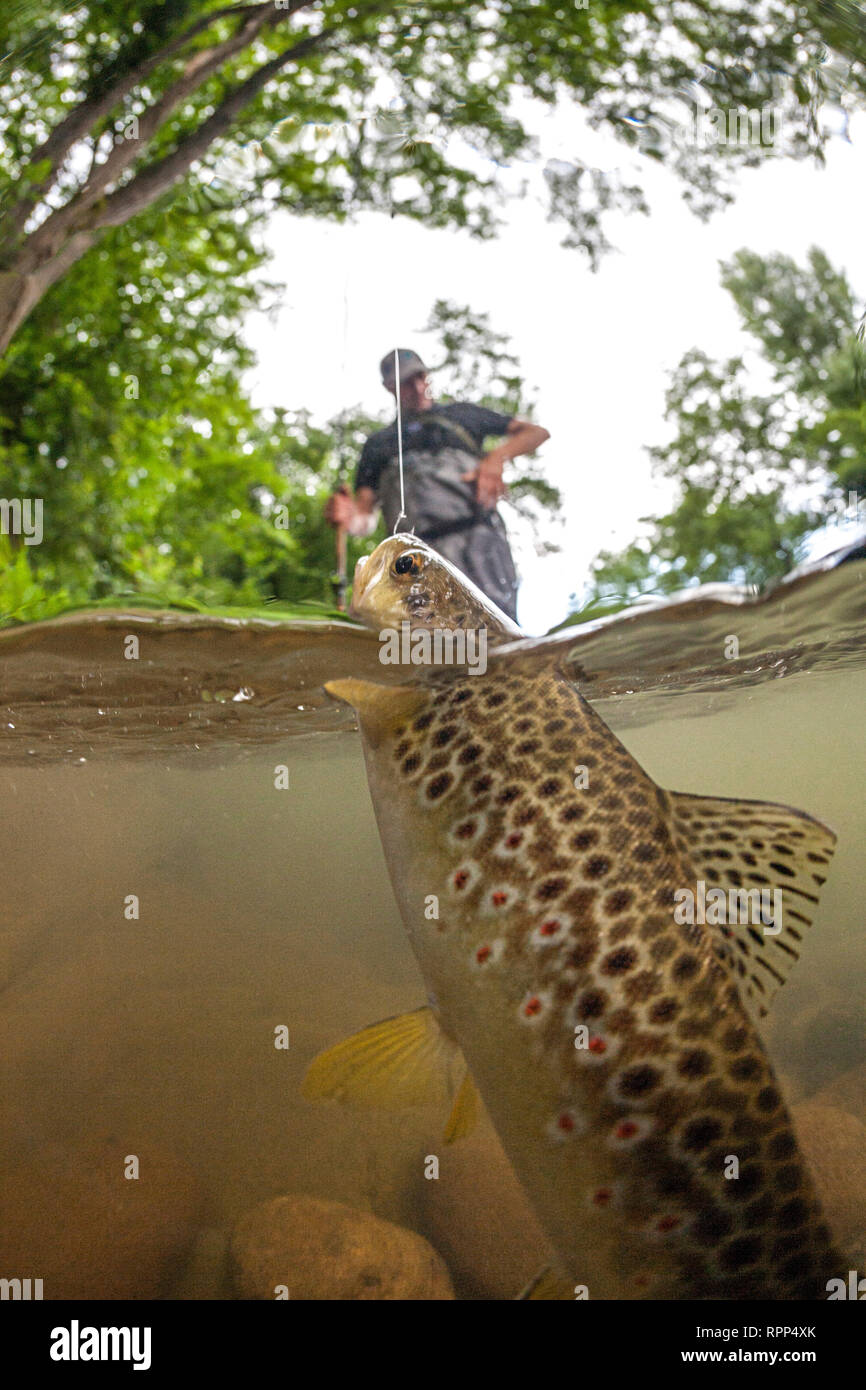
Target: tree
[(118, 106), (757, 471)]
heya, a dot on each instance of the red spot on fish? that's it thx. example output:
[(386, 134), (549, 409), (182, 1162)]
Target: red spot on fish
[(465, 830), (668, 1223), (461, 878), (532, 1006), (566, 1122), (549, 928), (498, 898), (626, 1130), (514, 840), (602, 1196), (482, 954), (597, 1045)]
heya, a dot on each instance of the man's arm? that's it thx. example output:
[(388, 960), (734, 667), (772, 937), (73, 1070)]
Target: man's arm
[(357, 515), (522, 437)]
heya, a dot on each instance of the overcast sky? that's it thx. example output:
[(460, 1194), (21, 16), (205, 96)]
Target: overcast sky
[(597, 348)]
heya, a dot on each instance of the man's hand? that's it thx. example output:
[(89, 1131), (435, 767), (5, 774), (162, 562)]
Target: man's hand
[(489, 487), (357, 514), (340, 509), (523, 438)]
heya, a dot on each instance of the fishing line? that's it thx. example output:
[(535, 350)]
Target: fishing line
[(402, 516)]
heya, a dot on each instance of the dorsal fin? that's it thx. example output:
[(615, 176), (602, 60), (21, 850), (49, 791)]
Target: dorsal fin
[(747, 845)]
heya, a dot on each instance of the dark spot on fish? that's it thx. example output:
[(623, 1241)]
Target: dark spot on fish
[(550, 787), (466, 830), (530, 745), (784, 869), (523, 726), (597, 867), (663, 1010), (483, 784), (793, 1214), (758, 1213), (782, 1145), (554, 725), (582, 954), (638, 1081), (411, 762), (469, 754), (402, 749), (618, 901), (507, 795), (711, 1226), (745, 1068), (789, 1178), (439, 785), (768, 1099), (492, 701), (685, 967), (584, 840), (423, 721), (746, 1250), (734, 1039), (444, 735), (751, 1179), (695, 1063), (592, 1004), (526, 815), (552, 888), (464, 693), (619, 961), (570, 813), (700, 1133)]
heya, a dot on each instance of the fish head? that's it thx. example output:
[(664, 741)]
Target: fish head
[(406, 580)]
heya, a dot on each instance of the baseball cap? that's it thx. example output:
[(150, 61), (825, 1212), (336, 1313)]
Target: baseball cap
[(409, 361)]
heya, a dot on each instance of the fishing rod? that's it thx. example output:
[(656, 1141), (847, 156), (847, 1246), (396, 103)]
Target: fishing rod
[(338, 578)]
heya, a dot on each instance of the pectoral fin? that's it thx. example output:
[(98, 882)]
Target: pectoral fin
[(402, 1061), (743, 846)]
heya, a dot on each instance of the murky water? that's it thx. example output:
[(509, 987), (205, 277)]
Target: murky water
[(154, 1036)]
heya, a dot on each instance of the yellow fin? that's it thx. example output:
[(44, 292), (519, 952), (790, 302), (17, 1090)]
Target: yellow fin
[(743, 846), (548, 1284), (379, 707), (401, 1061), (464, 1112)]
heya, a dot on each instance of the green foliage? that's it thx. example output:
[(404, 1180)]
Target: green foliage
[(757, 472)]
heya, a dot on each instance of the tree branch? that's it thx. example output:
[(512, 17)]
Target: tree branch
[(83, 117), (49, 236)]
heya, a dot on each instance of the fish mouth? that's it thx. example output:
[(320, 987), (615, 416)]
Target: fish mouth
[(368, 571)]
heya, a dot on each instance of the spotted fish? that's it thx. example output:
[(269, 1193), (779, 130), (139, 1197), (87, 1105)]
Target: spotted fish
[(538, 869)]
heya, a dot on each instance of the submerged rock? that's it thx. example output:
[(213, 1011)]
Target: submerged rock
[(72, 1219), (833, 1144), (324, 1250)]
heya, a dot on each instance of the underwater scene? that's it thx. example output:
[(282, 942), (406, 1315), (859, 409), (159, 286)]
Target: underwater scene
[(196, 904)]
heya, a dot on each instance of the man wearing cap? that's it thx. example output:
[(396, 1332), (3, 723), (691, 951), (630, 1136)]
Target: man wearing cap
[(451, 485)]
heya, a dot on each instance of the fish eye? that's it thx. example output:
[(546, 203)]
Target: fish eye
[(410, 562)]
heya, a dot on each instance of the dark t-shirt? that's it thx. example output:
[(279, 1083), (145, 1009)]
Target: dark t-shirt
[(426, 435)]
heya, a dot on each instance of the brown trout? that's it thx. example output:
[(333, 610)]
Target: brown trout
[(541, 876)]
